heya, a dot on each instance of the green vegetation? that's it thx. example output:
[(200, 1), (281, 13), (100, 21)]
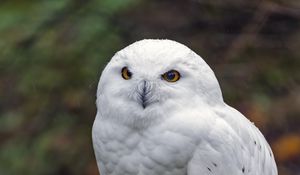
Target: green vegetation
[(52, 54)]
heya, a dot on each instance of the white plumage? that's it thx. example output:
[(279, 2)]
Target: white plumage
[(148, 125)]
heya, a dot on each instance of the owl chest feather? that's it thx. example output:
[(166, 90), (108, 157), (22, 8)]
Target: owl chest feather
[(156, 151)]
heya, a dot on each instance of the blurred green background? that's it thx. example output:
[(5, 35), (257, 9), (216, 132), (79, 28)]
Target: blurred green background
[(52, 53)]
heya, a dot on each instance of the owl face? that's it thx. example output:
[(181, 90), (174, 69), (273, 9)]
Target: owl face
[(151, 77)]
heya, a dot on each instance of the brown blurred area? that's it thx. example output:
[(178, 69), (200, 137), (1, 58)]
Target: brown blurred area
[(52, 54)]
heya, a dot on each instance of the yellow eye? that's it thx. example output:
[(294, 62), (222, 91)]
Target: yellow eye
[(171, 76), (126, 74)]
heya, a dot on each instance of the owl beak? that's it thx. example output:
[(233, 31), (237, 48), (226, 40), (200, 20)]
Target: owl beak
[(144, 89)]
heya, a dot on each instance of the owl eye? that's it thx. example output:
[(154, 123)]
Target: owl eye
[(126, 74), (171, 76)]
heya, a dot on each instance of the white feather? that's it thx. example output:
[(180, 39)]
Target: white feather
[(186, 130)]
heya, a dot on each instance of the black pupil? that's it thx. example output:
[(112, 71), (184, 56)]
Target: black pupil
[(170, 75), (128, 73)]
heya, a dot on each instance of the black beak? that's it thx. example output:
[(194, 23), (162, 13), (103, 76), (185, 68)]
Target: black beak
[(144, 91)]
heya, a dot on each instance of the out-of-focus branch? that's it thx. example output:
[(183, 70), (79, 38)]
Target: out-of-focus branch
[(276, 8), (270, 6), (249, 32)]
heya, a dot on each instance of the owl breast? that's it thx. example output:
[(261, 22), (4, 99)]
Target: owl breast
[(157, 151)]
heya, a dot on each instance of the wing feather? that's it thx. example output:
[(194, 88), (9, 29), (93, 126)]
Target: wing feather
[(242, 150)]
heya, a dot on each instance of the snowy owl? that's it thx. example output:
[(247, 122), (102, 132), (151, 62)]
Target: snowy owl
[(161, 112)]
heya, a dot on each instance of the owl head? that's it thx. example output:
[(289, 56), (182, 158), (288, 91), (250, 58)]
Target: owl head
[(150, 79)]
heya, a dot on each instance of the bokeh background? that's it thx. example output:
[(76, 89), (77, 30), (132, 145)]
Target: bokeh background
[(52, 53)]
